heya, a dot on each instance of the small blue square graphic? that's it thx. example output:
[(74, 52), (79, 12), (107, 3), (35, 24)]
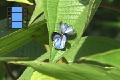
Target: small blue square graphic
[(16, 24), (16, 16), (16, 9)]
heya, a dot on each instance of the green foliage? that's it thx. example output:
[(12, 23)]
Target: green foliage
[(62, 11), (106, 57), (74, 71), (25, 75), (75, 15), (92, 45), (85, 58), (38, 10), (18, 38), (32, 51)]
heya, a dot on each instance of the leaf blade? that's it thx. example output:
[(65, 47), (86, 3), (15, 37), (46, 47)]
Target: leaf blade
[(18, 38), (109, 57), (74, 71)]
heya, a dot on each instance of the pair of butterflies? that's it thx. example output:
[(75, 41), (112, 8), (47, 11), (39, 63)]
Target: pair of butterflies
[(61, 39)]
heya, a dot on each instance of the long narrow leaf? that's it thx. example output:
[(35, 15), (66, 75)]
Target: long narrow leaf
[(110, 57), (19, 38), (74, 71)]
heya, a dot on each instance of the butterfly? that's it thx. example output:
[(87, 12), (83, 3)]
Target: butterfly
[(61, 39)]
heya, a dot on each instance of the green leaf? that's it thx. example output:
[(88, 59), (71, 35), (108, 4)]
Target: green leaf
[(74, 71), (67, 11), (92, 45), (26, 76), (3, 30), (93, 5), (18, 38), (110, 57), (22, 1), (38, 10), (32, 49), (39, 76), (72, 12)]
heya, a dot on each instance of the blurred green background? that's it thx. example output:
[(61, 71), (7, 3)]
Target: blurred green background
[(106, 22)]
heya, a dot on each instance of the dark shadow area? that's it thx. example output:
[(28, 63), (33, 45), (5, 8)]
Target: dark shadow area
[(68, 45), (71, 37), (93, 62)]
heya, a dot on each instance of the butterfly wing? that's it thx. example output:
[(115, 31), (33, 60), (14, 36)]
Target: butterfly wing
[(63, 41), (69, 31), (63, 27), (59, 43), (55, 36)]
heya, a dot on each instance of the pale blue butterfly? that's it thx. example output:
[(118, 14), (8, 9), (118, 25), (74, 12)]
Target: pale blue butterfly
[(61, 39)]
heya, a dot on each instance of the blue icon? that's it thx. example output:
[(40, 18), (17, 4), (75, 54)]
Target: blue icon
[(61, 39), (17, 17), (16, 9), (16, 25)]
